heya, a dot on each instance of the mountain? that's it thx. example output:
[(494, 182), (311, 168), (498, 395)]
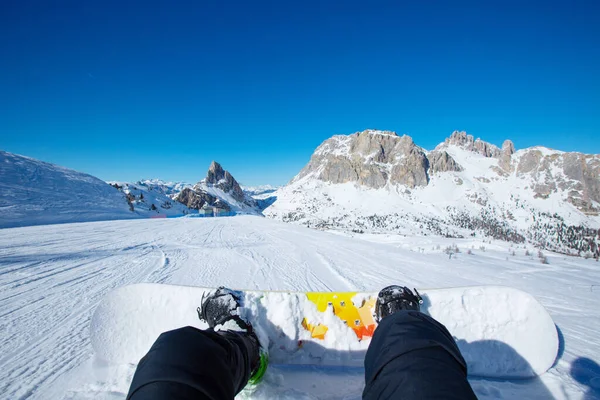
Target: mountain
[(377, 181), (34, 192), (218, 189), (171, 189), (259, 191), (150, 199)]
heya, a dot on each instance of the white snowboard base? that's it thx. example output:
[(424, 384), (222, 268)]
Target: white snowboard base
[(502, 332)]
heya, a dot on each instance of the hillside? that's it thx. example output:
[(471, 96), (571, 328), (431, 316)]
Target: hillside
[(376, 181), (34, 192), (150, 200)]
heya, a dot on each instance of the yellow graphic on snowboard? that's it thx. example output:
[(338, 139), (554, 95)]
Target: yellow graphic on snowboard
[(360, 319)]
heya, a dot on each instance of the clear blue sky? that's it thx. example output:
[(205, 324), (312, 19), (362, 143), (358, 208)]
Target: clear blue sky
[(126, 90)]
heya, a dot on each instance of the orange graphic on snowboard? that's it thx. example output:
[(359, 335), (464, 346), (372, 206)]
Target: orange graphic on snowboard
[(359, 319)]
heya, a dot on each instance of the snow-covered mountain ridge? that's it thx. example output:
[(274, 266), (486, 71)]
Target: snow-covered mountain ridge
[(377, 181), (150, 200), (34, 192), (169, 188)]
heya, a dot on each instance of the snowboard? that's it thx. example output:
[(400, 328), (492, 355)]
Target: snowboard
[(502, 332)]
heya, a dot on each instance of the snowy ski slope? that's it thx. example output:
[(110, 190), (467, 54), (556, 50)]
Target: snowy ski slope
[(34, 192), (52, 277)]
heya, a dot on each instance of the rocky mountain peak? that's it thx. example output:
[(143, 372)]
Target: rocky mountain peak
[(228, 196), (223, 180), (505, 158), (468, 142), (215, 173), (369, 158), (508, 147)]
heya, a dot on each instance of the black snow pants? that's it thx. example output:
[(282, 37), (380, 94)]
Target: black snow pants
[(188, 363), (411, 356)]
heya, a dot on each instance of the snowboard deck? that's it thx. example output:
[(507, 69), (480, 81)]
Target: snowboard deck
[(502, 332)]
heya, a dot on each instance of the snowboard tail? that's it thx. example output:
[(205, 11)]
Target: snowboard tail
[(502, 332)]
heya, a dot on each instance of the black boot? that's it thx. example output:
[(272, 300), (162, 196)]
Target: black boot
[(221, 307), (394, 298)]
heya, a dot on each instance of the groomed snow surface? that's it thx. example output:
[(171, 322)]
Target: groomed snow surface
[(52, 278)]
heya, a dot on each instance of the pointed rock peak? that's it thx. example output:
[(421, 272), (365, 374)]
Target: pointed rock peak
[(215, 173), (216, 169), (468, 142), (508, 147), (221, 179), (460, 138)]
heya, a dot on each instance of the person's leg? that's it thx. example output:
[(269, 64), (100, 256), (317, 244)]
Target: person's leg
[(412, 356), (189, 363)]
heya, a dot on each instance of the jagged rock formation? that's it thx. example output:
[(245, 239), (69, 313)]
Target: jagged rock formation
[(370, 158), (197, 199), (508, 149), (378, 159), (464, 187), (576, 174), (219, 189), (441, 161), (223, 180), (468, 142)]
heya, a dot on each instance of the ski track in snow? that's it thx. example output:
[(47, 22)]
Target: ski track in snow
[(52, 277)]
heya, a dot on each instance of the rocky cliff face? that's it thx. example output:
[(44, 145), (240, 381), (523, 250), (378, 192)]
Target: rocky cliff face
[(219, 189), (441, 161), (223, 180), (549, 197), (196, 199), (575, 174), (468, 142), (369, 158), (378, 159)]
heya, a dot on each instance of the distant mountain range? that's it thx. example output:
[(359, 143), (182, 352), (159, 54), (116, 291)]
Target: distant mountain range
[(34, 192), (377, 181), (371, 181)]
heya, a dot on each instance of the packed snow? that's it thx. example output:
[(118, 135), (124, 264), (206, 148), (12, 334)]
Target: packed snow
[(34, 192), (53, 277)]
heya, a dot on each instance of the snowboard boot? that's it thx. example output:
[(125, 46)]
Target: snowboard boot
[(394, 298), (221, 307)]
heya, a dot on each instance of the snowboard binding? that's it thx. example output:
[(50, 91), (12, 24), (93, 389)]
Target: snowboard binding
[(221, 307), (395, 298)]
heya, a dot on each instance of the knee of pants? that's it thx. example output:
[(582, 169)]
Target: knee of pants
[(403, 332), (190, 357)]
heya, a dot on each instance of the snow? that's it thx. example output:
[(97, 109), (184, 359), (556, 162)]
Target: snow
[(237, 206), (475, 190), (261, 191), (34, 192), (147, 195), (53, 277), (169, 188)]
